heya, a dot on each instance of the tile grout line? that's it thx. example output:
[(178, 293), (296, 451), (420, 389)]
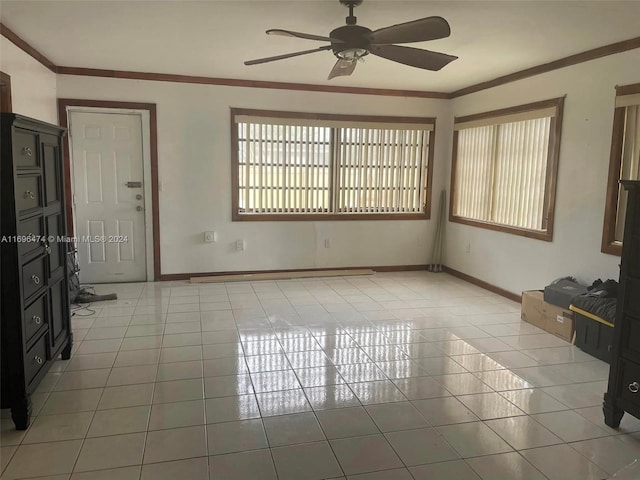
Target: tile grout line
[(362, 346)]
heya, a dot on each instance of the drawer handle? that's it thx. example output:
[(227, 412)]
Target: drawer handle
[(37, 320), (27, 151), (45, 244), (38, 359), (35, 279), (29, 194), (47, 247), (634, 387)]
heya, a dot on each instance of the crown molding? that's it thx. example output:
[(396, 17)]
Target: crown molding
[(586, 56), (232, 82), (24, 46), (582, 57)]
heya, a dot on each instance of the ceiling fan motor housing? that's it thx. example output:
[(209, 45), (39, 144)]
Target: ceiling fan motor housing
[(355, 38)]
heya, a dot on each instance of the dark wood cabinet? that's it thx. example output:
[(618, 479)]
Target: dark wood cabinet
[(34, 300), (623, 393)]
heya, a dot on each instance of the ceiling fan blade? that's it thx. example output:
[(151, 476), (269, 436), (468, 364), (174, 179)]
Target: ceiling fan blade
[(414, 57), (430, 28), (342, 68), (307, 36), (286, 55)]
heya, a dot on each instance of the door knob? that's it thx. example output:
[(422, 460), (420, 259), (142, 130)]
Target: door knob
[(139, 208), (138, 197)]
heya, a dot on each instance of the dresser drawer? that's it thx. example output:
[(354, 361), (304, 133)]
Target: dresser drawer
[(632, 297), (33, 277), (630, 337), (634, 256), (633, 209), (35, 359), (35, 318), (28, 193), (31, 229), (630, 383), (25, 149)]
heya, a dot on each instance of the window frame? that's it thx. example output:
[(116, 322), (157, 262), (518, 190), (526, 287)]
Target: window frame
[(609, 244), (551, 180), (236, 216)]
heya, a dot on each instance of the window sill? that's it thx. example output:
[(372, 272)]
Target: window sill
[(546, 236), (322, 217), (613, 248)]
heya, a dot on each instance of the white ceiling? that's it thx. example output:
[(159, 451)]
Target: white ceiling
[(213, 37)]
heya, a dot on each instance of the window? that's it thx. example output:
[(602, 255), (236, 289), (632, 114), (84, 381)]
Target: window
[(504, 167), (623, 164), (297, 166)]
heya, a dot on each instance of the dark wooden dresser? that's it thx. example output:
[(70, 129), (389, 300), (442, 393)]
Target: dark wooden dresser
[(35, 317), (623, 394)]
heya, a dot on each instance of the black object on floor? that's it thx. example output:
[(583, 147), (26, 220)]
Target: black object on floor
[(594, 337), (86, 297), (601, 300)]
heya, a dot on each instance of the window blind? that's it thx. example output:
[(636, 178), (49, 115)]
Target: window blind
[(501, 168), (381, 170), (521, 167), (474, 173), (288, 167), (283, 168)]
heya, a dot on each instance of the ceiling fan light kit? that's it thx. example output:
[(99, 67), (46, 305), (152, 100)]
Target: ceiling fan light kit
[(352, 42)]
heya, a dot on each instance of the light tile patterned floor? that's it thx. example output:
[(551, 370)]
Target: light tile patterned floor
[(396, 376)]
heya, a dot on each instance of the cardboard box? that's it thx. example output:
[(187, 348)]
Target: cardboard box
[(533, 308), (559, 321), (562, 292), (550, 318)]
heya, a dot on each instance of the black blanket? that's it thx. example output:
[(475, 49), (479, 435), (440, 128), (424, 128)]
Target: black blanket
[(601, 300)]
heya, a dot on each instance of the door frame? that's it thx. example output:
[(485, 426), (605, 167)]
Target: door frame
[(147, 112)]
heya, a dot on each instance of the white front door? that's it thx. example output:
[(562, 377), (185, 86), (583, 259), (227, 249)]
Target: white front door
[(108, 196)]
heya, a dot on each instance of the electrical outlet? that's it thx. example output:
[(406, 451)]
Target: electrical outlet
[(327, 243), (239, 245), (210, 237)]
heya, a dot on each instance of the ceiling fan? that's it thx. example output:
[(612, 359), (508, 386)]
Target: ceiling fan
[(352, 42)]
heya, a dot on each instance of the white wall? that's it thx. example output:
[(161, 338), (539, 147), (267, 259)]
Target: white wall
[(33, 86), (194, 170), (517, 263)]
